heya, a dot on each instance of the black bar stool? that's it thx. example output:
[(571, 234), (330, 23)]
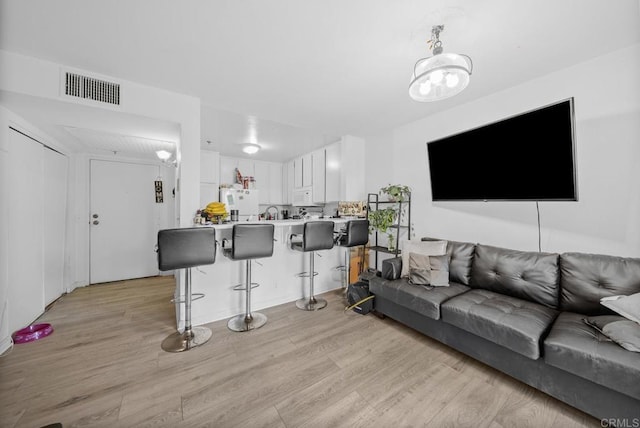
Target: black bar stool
[(183, 249), (316, 235), (249, 241), (355, 233)]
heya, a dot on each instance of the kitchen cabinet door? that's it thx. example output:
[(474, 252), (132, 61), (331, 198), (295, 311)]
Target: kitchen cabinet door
[(307, 170), (246, 167), (275, 183), (228, 170), (318, 176), (289, 182), (333, 167), (352, 174), (297, 173), (262, 177)]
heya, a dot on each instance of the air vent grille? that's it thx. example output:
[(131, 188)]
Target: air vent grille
[(77, 85)]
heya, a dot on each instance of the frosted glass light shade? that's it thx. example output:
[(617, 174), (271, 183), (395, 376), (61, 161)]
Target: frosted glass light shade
[(163, 155), (440, 76), (250, 148)]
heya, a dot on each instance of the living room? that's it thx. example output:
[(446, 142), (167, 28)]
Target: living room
[(590, 53)]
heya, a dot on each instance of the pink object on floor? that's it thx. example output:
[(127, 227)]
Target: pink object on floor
[(31, 333)]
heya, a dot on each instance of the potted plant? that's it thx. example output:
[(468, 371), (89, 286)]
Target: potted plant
[(396, 192), (382, 220)]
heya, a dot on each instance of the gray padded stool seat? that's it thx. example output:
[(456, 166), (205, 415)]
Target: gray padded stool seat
[(185, 248), (316, 235), (355, 233), (249, 241)]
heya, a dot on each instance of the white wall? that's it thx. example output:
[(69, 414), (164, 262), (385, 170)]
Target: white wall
[(40, 78), (33, 77), (605, 219)]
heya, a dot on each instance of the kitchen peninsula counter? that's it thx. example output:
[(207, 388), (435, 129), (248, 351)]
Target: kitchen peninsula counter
[(276, 275)]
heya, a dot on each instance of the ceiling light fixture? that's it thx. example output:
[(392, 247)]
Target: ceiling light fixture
[(250, 148), (440, 76), (163, 155)]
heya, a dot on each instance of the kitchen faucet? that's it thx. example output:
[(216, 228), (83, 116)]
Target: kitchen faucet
[(270, 216)]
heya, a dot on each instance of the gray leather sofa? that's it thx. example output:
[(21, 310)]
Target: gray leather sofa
[(521, 313)]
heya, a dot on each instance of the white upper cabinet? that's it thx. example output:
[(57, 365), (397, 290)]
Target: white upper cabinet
[(246, 167), (318, 176), (352, 185), (297, 173), (307, 170), (261, 171), (275, 183), (228, 170), (267, 175), (289, 182), (333, 167)]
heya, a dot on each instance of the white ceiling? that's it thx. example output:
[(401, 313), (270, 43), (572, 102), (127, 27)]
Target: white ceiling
[(302, 72)]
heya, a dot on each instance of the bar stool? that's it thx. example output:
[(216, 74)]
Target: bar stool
[(355, 233), (186, 248), (249, 241), (316, 235)]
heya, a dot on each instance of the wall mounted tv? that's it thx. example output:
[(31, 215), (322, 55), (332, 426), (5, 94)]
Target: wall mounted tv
[(528, 157)]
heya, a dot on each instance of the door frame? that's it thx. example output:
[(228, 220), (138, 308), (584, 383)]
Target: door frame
[(169, 177)]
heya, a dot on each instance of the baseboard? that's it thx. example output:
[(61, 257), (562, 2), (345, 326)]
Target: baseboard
[(5, 344)]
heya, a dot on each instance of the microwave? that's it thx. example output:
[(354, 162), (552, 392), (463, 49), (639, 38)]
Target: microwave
[(302, 197)]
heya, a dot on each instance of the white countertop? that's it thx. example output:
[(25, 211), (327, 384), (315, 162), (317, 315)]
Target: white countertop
[(276, 223)]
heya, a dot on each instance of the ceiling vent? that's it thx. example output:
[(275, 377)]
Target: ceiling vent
[(77, 85)]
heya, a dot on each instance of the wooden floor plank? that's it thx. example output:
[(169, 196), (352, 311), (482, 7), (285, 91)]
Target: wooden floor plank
[(103, 366)]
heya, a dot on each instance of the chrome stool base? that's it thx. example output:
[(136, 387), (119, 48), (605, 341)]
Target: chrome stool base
[(240, 322), (312, 304), (178, 342)]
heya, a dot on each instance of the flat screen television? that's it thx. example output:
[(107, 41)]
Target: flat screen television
[(527, 157)]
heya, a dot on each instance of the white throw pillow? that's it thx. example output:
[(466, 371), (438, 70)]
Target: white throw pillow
[(427, 248), (627, 306)]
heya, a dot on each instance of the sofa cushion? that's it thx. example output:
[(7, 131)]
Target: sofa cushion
[(530, 276), (419, 269), (423, 300), (460, 258), (621, 331), (507, 321), (434, 248), (627, 306), (587, 278), (578, 348)]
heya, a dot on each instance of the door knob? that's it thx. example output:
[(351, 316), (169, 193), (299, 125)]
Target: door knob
[(96, 222), (95, 216)]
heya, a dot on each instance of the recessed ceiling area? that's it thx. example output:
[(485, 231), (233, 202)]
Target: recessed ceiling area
[(86, 129), (227, 132), (303, 73), (129, 146)]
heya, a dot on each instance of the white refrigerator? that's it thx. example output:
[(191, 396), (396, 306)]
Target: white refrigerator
[(243, 200)]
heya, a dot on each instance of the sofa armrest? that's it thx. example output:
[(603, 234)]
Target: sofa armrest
[(391, 268)]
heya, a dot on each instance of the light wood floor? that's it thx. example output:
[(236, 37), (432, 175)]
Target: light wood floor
[(103, 366)]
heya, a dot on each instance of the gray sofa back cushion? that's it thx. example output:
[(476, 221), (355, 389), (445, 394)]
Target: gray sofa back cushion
[(530, 276), (586, 278), (460, 258)]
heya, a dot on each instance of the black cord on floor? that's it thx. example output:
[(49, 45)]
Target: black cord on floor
[(539, 237)]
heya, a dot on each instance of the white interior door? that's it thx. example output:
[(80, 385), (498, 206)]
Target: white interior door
[(54, 222), (125, 220)]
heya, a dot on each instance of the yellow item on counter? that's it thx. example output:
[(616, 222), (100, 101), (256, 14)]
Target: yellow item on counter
[(217, 209)]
